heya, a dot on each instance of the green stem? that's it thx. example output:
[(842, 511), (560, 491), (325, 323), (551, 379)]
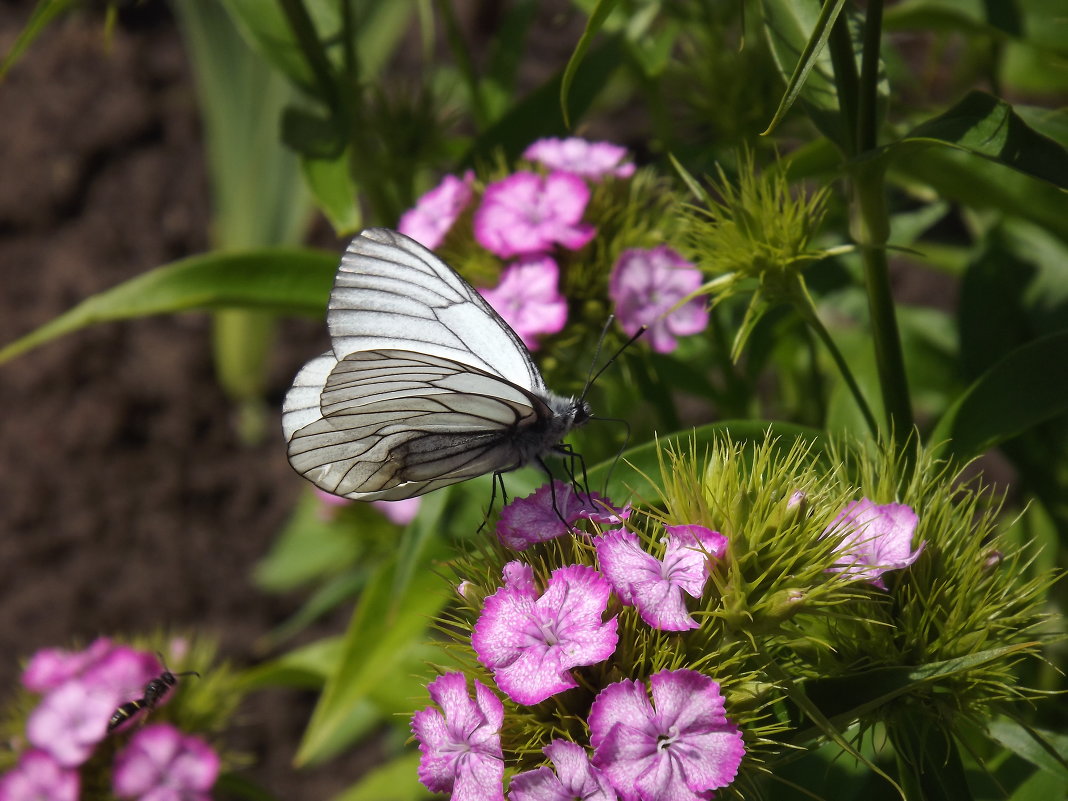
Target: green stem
[(807, 309)]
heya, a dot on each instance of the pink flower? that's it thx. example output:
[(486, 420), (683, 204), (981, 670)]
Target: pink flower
[(38, 776), (580, 156), (162, 764), (655, 587), (529, 520), (437, 210), (70, 721), (400, 512), (50, 667), (575, 778), (646, 284), (528, 299), (461, 743), (531, 643), (677, 748), (527, 213), (874, 538)]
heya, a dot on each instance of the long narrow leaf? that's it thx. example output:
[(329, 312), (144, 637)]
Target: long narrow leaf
[(287, 280), (593, 25)]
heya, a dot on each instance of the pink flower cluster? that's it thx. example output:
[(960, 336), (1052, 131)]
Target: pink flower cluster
[(679, 745), (663, 739), (526, 218), (80, 692)]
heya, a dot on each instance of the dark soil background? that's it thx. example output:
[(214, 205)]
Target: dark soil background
[(127, 503)]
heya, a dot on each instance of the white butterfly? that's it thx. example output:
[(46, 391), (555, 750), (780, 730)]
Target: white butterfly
[(425, 384)]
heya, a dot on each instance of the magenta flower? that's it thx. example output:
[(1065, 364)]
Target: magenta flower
[(655, 587), (162, 764), (527, 213), (531, 643), (874, 538), (50, 667), (575, 778), (70, 721), (437, 210), (580, 156), (38, 777), (400, 512), (529, 520), (528, 299), (646, 284), (461, 742), (677, 748)]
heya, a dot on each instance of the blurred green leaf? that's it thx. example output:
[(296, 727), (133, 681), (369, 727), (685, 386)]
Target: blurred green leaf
[(986, 126), (330, 181), (1044, 749), (593, 25), (1027, 387), (397, 780), (313, 135), (797, 31), (43, 13), (383, 640), (288, 280), (307, 666)]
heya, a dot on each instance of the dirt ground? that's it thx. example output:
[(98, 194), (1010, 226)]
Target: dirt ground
[(127, 503)]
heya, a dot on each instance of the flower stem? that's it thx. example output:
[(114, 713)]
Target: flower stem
[(807, 309)]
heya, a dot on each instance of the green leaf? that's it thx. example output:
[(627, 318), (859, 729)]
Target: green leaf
[(289, 280), (985, 126), (635, 475), (307, 666), (43, 13), (593, 25), (330, 181), (1027, 387), (383, 641), (1045, 749), (313, 135), (797, 31), (397, 780)]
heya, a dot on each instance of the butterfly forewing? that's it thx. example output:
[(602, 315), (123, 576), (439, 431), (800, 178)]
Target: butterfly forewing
[(392, 293)]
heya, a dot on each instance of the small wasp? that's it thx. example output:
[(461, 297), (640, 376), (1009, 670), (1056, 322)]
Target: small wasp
[(154, 692)]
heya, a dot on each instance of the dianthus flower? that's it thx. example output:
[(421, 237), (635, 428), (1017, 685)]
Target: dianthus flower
[(70, 721), (873, 538), (461, 742), (526, 521), (437, 210), (575, 778), (655, 587), (528, 299), (39, 777), (646, 284), (531, 643), (676, 748), (580, 156), (162, 764), (527, 213), (50, 667)]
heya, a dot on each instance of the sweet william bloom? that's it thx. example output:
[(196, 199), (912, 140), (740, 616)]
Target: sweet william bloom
[(646, 284), (580, 156), (50, 667), (527, 213), (574, 778), (70, 721), (460, 742), (529, 520), (531, 643), (677, 748), (873, 538), (38, 777), (162, 764), (655, 587), (437, 210), (528, 299)]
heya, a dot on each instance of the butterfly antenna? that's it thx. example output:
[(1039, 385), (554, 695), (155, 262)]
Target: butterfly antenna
[(594, 376), (619, 453)]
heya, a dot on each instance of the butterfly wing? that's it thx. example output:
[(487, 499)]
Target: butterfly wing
[(391, 424), (391, 293)]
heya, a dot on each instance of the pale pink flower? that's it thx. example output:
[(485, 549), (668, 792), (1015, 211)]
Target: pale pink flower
[(39, 777), (580, 156), (437, 210), (528, 299), (873, 539), (162, 764), (574, 778), (645, 285)]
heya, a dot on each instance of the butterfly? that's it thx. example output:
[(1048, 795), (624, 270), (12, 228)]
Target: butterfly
[(424, 386)]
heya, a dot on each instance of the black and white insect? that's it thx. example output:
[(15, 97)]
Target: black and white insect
[(154, 692), (424, 385)]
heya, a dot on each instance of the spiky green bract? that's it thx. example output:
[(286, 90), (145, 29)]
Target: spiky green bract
[(804, 654)]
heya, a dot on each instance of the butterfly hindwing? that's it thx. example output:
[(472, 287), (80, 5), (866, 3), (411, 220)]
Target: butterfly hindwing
[(394, 424)]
